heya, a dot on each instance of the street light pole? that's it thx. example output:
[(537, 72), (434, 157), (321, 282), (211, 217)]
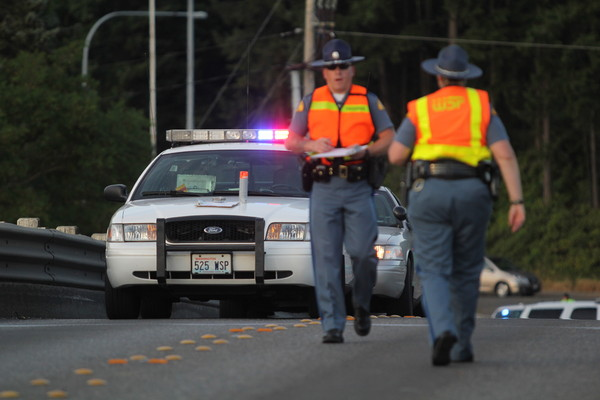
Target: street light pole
[(187, 14), (94, 28)]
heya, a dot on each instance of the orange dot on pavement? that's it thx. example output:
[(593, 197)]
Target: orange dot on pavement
[(208, 336), (9, 394), (164, 348), (305, 320), (244, 337), (236, 330), (248, 328), (173, 357), (314, 323), (39, 382), (187, 341), (138, 357), (116, 361), (279, 328), (264, 330), (83, 371), (203, 348), (220, 341), (349, 318), (57, 394), (158, 361), (96, 382), (300, 325)]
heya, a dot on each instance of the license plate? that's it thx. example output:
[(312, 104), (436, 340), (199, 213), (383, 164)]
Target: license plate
[(211, 264)]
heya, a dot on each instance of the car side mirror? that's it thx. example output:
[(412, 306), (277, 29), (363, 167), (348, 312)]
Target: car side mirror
[(117, 192), (400, 213)]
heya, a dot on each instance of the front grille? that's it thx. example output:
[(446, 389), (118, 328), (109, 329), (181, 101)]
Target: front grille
[(207, 230)]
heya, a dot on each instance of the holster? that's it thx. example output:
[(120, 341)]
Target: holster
[(488, 172), (307, 174), (377, 168)]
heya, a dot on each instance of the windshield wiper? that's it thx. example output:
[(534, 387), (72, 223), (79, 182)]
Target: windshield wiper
[(173, 193)]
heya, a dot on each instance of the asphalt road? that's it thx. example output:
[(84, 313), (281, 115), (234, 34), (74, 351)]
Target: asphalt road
[(515, 359), (90, 357)]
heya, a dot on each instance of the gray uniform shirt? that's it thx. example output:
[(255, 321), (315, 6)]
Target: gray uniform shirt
[(379, 115)]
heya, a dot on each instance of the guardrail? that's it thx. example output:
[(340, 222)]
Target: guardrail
[(50, 256)]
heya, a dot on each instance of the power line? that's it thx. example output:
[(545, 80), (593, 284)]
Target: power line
[(234, 71), (472, 41)]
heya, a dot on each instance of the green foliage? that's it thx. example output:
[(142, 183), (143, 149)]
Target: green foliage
[(59, 147)]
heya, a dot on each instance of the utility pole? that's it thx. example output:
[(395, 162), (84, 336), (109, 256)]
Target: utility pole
[(189, 120), (152, 50), (309, 46)]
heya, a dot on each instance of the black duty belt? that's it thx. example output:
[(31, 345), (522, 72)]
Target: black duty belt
[(352, 172), (443, 170)]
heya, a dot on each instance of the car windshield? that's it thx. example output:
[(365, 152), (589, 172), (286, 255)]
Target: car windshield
[(217, 172), (384, 207)]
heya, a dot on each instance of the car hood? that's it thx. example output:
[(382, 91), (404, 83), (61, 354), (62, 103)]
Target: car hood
[(392, 235), (280, 209)]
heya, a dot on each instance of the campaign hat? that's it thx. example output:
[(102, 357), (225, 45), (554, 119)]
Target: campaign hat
[(453, 63), (336, 52)]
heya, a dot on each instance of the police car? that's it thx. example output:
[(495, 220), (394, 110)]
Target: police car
[(222, 215)]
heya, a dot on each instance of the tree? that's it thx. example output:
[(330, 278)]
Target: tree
[(58, 146)]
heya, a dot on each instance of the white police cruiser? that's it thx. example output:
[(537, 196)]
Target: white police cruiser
[(223, 216)]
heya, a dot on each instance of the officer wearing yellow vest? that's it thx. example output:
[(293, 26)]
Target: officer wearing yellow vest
[(450, 136), (341, 116)]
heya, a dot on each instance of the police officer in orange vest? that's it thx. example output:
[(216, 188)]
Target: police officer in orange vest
[(450, 137), (341, 116)]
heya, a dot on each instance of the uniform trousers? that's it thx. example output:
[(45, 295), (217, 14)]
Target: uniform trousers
[(342, 214), (450, 219)]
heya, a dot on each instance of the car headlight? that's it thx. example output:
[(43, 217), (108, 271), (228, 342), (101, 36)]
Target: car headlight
[(387, 252), (131, 233), (287, 231)]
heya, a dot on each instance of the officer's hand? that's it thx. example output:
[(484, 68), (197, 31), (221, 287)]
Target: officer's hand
[(360, 155), (320, 145), (516, 217)]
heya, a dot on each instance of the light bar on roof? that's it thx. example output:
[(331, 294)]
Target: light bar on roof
[(226, 135)]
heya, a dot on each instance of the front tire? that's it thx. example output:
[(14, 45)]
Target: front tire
[(122, 303), (404, 305), (502, 289)]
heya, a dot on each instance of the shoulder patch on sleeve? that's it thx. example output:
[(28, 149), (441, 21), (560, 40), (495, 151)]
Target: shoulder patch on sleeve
[(380, 105), (494, 111), (300, 106)]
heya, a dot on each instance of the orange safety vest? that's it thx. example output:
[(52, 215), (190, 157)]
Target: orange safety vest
[(346, 126), (451, 123)]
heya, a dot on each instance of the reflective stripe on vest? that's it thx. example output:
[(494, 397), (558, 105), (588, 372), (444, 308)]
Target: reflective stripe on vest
[(352, 123), (451, 123)]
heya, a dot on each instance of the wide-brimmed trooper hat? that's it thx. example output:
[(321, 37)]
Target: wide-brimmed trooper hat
[(336, 52), (453, 63)]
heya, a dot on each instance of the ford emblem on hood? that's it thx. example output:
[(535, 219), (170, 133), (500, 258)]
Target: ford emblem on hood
[(213, 230)]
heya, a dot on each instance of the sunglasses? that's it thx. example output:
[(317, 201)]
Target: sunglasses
[(335, 66)]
